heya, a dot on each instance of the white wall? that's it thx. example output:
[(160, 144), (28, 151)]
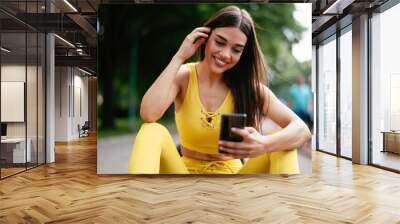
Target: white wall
[(12, 73), (61, 103), (71, 93), (33, 126), (12, 100)]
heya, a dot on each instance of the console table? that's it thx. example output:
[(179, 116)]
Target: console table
[(391, 141), (13, 150)]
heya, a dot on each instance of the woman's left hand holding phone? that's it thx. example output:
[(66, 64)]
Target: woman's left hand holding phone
[(251, 146)]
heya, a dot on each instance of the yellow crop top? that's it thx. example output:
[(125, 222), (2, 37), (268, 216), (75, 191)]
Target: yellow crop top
[(198, 129)]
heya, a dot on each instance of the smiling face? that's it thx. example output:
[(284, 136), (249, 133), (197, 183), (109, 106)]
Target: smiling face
[(224, 48)]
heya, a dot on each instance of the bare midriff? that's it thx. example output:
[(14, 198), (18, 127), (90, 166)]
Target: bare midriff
[(205, 156)]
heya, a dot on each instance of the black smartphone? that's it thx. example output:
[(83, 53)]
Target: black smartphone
[(229, 121)]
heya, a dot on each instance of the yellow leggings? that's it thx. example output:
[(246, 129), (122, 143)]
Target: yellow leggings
[(154, 152)]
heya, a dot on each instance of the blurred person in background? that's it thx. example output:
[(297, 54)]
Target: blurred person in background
[(300, 97)]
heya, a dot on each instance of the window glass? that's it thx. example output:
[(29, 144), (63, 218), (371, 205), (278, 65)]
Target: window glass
[(327, 97), (346, 94), (15, 150), (385, 84)]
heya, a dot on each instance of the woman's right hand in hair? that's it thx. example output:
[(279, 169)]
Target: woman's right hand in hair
[(192, 42)]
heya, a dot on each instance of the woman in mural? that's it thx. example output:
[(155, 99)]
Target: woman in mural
[(228, 78)]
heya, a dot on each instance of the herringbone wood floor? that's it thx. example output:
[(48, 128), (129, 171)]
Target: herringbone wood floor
[(70, 191)]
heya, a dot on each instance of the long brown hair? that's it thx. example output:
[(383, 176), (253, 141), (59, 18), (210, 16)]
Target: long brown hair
[(245, 77)]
